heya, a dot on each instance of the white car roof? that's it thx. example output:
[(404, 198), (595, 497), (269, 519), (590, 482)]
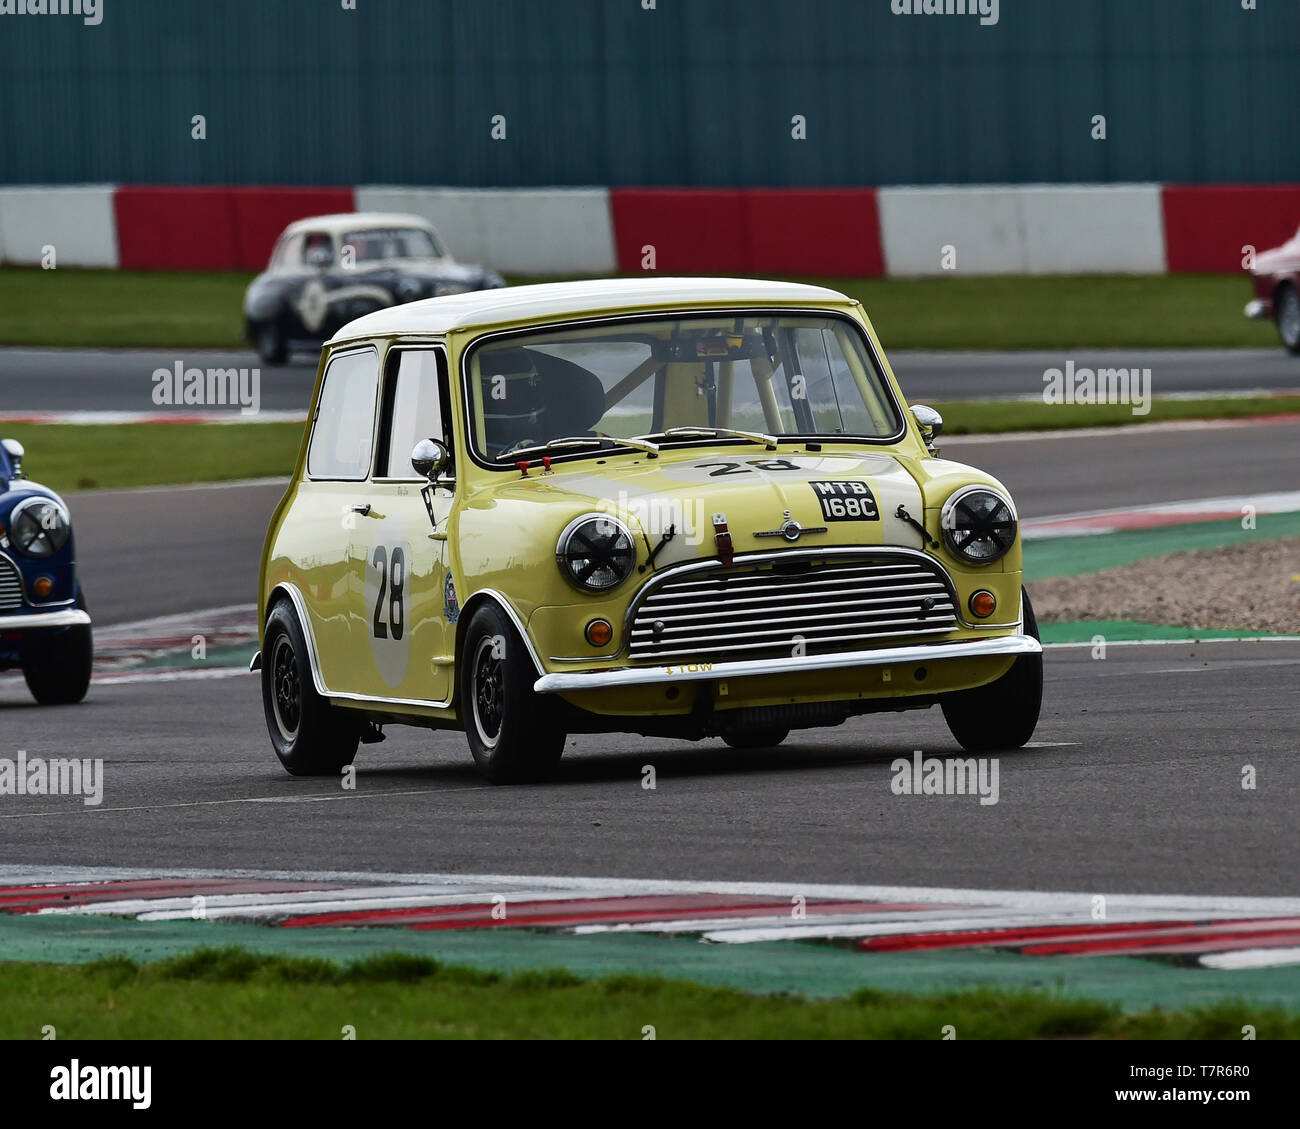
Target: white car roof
[(340, 222), (560, 299)]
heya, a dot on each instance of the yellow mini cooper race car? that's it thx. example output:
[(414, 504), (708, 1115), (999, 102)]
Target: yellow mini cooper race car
[(673, 507)]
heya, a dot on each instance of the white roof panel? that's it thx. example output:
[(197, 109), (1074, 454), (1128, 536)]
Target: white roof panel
[(559, 300)]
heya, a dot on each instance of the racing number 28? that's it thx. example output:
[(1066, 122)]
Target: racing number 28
[(392, 582)]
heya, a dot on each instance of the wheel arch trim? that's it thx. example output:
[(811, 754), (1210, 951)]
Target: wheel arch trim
[(286, 588), (491, 595)]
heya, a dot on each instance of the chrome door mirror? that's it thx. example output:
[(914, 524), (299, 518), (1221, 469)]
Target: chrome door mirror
[(15, 451), (929, 421), (430, 458)]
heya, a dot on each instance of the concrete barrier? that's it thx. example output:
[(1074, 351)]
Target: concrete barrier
[(77, 221), (528, 231), (1032, 229), (1093, 229), (982, 225), (851, 232)]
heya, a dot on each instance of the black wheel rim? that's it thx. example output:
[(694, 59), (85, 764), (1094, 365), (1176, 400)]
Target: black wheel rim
[(286, 690), (488, 692)]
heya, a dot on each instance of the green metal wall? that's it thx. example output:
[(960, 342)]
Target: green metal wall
[(693, 92)]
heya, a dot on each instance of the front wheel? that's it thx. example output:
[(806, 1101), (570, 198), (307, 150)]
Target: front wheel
[(513, 733), (310, 736), (270, 343), (1003, 714), (57, 667), (1288, 318)]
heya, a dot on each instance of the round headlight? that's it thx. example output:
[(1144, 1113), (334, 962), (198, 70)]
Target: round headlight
[(596, 552), (979, 525), (39, 527)]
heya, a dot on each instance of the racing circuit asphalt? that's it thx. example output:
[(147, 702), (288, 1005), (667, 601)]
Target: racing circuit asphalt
[(50, 380), (1142, 794), (1136, 786)]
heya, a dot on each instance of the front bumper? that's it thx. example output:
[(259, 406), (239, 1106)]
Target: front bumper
[(796, 664), (32, 621)]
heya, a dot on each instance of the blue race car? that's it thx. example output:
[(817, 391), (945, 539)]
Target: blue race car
[(44, 625)]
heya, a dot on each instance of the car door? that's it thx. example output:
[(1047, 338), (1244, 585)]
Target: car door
[(319, 540), (407, 603)]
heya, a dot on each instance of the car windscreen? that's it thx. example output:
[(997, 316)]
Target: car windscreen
[(779, 374), (392, 243)]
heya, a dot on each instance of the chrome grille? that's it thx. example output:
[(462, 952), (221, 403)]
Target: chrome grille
[(11, 586), (831, 603)]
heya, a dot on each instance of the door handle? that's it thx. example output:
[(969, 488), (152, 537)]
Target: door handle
[(364, 511)]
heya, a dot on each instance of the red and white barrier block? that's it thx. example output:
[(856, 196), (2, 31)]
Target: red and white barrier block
[(833, 232)]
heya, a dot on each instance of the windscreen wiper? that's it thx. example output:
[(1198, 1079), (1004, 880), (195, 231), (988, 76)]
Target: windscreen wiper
[(579, 441), (769, 441)]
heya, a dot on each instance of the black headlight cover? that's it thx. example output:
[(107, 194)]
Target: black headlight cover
[(596, 553), (39, 527), (979, 525)]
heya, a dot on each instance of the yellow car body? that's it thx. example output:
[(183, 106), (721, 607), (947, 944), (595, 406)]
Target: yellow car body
[(802, 625)]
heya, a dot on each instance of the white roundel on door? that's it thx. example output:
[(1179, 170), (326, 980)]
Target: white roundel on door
[(388, 600)]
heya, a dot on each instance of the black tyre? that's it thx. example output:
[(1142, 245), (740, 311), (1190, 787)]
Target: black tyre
[(1003, 714), (513, 732), (57, 666), (1287, 312), (268, 340), (755, 738), (310, 736)]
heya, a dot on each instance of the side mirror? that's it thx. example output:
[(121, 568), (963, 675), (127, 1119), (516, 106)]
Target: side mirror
[(930, 423), (430, 458), (15, 451)]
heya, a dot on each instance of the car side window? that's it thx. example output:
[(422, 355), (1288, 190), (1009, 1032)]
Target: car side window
[(318, 250), (288, 254), (414, 409), (342, 440)]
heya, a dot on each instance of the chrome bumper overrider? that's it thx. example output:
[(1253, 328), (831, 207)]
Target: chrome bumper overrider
[(29, 621), (795, 664)]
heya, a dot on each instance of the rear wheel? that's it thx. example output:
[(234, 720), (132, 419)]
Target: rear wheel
[(310, 736), (513, 733), (1288, 318), (57, 666), (1003, 714)]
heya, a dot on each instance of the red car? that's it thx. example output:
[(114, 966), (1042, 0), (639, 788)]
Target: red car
[(1276, 275)]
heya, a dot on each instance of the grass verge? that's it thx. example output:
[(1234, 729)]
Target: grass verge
[(110, 456), (111, 309), (233, 994), (989, 417), (190, 310)]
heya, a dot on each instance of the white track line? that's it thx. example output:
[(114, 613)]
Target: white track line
[(1190, 641), (1251, 958)]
